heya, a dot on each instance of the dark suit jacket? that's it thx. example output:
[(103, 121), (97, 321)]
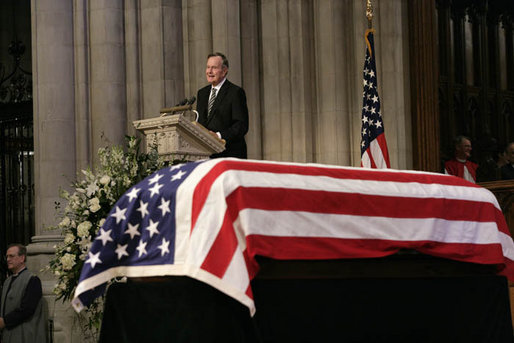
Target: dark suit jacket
[(229, 117), (507, 172)]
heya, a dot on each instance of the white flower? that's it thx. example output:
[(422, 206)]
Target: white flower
[(101, 223), (105, 179), (69, 238), (91, 189), (94, 205), (65, 222), (83, 229), (64, 193), (68, 261), (85, 243), (74, 202)]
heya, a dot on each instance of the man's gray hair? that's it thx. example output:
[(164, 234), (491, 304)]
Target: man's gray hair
[(22, 250), (219, 54)]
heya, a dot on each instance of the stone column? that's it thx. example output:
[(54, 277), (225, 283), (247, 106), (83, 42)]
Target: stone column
[(333, 134), (162, 66), (133, 64), (54, 139), (424, 85), (250, 66), (197, 42), (393, 77), (83, 149), (288, 85), (107, 61)]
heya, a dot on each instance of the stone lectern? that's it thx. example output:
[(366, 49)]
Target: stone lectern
[(178, 136)]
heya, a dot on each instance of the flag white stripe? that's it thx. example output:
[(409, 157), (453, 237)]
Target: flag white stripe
[(231, 179), (308, 224), (376, 152)]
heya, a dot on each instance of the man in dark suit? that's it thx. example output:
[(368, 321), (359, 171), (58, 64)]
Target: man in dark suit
[(507, 171), (222, 108)]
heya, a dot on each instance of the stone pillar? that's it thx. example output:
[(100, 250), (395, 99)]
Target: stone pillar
[(226, 35), (54, 139), (133, 64), (250, 63), (83, 148), (393, 77), (288, 86), (107, 61), (424, 85), (162, 66), (333, 134), (197, 42)]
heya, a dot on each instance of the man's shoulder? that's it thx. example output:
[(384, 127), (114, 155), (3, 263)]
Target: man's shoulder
[(508, 168), (229, 84), (29, 275), (205, 89), (451, 161)]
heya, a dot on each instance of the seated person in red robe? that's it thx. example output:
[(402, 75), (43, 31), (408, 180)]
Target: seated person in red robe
[(460, 165)]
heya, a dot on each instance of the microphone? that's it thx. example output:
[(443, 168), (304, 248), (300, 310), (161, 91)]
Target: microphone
[(182, 103), (191, 100)]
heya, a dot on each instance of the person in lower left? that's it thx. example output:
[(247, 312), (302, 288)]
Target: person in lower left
[(21, 310)]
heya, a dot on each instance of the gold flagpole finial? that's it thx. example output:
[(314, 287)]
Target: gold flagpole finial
[(369, 12)]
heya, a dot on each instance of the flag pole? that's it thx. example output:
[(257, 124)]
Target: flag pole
[(369, 13)]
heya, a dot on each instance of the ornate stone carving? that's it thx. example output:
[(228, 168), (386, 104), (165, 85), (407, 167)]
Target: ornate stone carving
[(178, 138)]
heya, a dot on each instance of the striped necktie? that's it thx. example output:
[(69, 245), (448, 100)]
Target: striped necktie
[(211, 100)]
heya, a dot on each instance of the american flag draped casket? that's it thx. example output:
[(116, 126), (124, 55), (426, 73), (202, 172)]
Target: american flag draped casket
[(210, 219)]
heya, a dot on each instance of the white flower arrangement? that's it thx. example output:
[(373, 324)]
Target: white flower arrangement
[(85, 211)]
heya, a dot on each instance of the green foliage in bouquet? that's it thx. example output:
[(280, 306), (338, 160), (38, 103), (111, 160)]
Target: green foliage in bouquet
[(94, 194)]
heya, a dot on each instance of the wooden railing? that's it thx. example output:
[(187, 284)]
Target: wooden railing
[(504, 192)]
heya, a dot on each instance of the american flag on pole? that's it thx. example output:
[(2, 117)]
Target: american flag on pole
[(209, 220), (374, 153)]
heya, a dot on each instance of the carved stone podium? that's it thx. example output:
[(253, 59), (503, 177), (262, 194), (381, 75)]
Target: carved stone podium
[(178, 138)]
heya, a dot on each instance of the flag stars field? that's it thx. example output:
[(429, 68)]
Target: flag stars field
[(164, 206), (143, 208), (164, 247), (155, 179), (141, 248), (155, 189), (152, 228), (121, 251), (132, 230), (133, 193), (104, 236), (93, 259), (178, 175), (119, 214)]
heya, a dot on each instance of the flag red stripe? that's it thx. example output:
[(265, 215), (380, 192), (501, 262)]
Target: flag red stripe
[(371, 159), (383, 147), (316, 248), (279, 199), (203, 187), (222, 250)]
